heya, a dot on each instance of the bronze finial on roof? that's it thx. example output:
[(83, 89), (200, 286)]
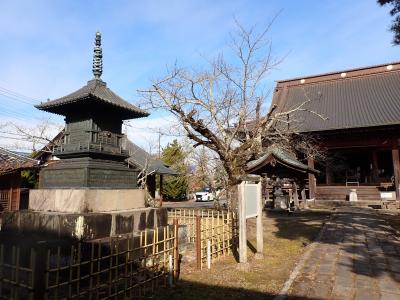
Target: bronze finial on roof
[(95, 91), (97, 57)]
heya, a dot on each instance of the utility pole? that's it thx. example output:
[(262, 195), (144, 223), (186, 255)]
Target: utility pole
[(159, 143)]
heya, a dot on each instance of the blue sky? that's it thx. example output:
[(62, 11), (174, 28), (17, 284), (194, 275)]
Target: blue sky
[(46, 46)]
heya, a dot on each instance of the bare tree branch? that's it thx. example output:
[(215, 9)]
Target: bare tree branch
[(221, 108)]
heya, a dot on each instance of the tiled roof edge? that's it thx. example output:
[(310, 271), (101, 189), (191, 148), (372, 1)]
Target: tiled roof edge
[(350, 73)]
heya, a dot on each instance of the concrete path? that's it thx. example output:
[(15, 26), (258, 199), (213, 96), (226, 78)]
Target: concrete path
[(358, 257)]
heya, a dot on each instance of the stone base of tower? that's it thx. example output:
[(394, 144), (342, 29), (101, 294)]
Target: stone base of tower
[(41, 226), (86, 200)]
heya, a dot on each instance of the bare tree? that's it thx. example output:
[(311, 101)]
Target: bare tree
[(35, 136), (221, 108), (203, 167)]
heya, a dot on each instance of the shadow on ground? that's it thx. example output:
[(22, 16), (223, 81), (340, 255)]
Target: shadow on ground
[(186, 290), (298, 224)]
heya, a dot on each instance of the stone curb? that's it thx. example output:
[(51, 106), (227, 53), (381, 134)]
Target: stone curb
[(296, 271)]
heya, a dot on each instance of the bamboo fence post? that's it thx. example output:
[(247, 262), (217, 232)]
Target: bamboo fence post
[(170, 271), (153, 257), (219, 234), (176, 249), (209, 254), (212, 237), (198, 241), (230, 232)]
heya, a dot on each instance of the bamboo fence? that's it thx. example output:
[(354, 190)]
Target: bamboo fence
[(132, 266), (204, 226)]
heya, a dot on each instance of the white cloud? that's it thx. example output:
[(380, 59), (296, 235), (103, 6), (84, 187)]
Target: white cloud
[(152, 132)]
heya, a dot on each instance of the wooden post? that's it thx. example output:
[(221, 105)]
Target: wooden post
[(290, 191), (161, 191), (176, 249), (396, 171), (295, 196), (39, 264), (260, 231), (243, 264), (198, 242), (312, 184), (242, 225), (9, 200), (208, 254), (304, 198), (151, 183), (170, 271), (328, 174), (375, 166)]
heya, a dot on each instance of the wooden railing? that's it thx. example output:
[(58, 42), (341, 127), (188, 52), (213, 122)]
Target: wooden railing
[(132, 266)]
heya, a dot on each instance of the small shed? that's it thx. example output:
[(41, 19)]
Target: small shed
[(277, 161), (281, 164), (148, 166)]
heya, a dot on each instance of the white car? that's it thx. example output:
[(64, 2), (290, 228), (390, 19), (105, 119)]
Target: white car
[(205, 195)]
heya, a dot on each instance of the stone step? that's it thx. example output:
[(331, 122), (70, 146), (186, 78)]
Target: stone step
[(343, 203), (342, 192)]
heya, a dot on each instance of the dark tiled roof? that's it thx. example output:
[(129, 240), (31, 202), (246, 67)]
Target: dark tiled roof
[(282, 156), (140, 158), (348, 99), (11, 161), (98, 90)]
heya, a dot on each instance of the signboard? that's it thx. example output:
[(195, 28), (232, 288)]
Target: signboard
[(388, 195), (249, 205), (251, 200)]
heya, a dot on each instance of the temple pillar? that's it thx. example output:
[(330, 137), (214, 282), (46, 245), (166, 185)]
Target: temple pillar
[(312, 183), (375, 175), (296, 196), (396, 171), (328, 174)]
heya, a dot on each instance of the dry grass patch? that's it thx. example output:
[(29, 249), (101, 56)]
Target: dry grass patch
[(285, 237)]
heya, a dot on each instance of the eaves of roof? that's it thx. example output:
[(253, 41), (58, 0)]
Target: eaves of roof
[(95, 89), (282, 157)]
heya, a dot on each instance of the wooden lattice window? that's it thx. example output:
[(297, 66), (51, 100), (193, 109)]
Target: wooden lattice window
[(106, 137), (5, 196)]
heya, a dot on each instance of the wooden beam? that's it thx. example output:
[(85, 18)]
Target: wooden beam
[(312, 183), (396, 171)]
